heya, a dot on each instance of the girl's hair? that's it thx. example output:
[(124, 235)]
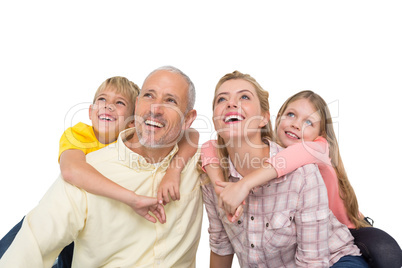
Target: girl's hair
[(122, 86), (346, 191), (266, 131)]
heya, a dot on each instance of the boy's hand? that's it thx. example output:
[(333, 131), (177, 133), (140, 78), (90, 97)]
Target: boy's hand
[(232, 196), (170, 185), (142, 205)]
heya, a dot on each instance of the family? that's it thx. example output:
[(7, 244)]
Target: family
[(133, 185)]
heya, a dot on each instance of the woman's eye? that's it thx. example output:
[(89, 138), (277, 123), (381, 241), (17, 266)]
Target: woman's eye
[(220, 99), (245, 97), (309, 123)]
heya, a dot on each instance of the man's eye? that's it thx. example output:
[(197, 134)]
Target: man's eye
[(147, 95), (101, 99), (121, 103), (172, 100)]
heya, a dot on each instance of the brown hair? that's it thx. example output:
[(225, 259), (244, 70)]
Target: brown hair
[(266, 131), (346, 191)]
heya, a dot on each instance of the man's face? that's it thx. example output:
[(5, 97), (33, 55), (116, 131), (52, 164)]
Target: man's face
[(160, 108)]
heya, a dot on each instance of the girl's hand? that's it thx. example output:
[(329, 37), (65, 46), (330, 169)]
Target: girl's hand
[(232, 196), (239, 211)]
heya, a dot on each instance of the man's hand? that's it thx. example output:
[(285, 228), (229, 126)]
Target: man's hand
[(169, 186)]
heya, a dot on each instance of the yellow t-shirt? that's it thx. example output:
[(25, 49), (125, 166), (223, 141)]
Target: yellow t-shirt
[(81, 137)]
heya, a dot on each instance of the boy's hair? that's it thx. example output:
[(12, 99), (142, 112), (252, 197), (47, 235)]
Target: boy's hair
[(346, 191), (122, 86)]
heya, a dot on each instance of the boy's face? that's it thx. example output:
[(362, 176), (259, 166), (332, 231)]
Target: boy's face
[(110, 114)]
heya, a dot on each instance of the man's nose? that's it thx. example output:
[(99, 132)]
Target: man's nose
[(157, 108)]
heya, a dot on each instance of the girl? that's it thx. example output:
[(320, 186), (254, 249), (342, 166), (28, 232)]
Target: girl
[(287, 223), (304, 126)]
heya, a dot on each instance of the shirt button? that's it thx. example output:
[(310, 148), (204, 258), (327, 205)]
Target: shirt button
[(252, 245), (267, 224), (239, 221), (252, 218), (290, 218)]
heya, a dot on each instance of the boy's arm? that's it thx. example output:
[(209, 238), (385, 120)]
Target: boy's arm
[(217, 261), (170, 184), (75, 170)]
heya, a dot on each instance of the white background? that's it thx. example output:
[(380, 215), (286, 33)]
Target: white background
[(54, 55)]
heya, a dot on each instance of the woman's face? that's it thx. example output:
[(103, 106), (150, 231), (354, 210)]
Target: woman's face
[(299, 122), (237, 111)]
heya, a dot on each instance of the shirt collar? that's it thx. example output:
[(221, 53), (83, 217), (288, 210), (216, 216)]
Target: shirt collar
[(136, 161), (233, 172)]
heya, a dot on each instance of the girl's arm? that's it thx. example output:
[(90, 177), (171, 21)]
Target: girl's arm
[(284, 162), (170, 184), (301, 154), (75, 170), (211, 164)]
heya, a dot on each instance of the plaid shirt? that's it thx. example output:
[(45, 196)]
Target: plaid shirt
[(285, 223)]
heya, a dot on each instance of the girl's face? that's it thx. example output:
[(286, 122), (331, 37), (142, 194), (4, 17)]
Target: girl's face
[(237, 111), (299, 122)]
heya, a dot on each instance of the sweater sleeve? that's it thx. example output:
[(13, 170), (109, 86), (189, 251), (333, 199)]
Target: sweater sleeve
[(300, 154)]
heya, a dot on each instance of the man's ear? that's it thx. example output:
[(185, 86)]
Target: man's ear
[(189, 119)]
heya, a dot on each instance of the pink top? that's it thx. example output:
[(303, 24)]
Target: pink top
[(293, 157)]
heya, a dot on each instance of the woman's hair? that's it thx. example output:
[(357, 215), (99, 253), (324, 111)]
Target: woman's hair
[(122, 86), (266, 131), (327, 131)]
